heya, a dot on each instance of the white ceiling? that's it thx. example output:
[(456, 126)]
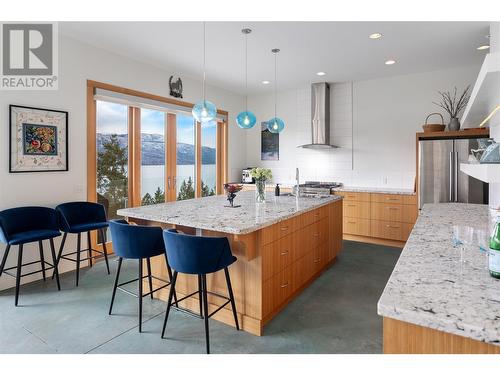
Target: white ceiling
[(342, 49)]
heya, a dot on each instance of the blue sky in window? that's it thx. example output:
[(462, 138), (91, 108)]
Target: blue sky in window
[(112, 118)]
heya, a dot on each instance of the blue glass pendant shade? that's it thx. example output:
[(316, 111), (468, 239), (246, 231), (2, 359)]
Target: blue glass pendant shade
[(204, 111), (275, 125), (246, 120)]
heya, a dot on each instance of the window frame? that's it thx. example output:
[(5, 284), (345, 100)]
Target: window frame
[(134, 144)]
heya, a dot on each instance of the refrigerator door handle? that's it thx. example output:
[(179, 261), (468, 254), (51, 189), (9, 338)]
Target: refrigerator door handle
[(456, 176), (451, 178)]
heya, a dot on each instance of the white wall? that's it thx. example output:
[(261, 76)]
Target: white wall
[(77, 63), (374, 122)]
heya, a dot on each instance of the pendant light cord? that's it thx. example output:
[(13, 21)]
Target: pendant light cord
[(246, 72), (204, 64), (275, 82)]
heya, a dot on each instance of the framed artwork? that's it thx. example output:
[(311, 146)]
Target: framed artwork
[(269, 144), (38, 140)]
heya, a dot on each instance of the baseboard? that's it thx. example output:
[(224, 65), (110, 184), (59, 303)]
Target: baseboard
[(373, 240)]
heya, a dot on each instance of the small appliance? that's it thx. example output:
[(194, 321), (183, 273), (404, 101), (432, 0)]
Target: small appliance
[(246, 178)]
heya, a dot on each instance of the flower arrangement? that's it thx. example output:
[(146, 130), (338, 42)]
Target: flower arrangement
[(261, 174)]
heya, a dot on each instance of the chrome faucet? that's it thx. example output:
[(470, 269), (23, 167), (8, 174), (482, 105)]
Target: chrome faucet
[(297, 191)]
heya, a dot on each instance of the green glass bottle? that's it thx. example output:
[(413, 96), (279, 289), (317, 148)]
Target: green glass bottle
[(494, 252)]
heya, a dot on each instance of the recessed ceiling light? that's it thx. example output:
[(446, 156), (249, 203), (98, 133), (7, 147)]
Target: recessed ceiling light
[(375, 36), (480, 48), (266, 82), (390, 62), (320, 73)]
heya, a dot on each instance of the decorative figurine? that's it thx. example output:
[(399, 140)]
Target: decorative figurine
[(231, 190)]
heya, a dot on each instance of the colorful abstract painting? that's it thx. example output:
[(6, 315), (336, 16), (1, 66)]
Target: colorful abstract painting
[(39, 139)]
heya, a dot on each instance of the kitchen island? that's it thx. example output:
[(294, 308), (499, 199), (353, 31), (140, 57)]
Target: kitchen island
[(432, 303), (281, 246)]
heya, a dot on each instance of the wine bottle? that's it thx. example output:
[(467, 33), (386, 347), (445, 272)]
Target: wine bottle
[(494, 252)]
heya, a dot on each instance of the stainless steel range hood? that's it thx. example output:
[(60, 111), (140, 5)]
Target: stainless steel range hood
[(320, 117)]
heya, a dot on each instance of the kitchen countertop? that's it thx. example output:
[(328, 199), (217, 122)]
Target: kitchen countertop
[(360, 189), (429, 287), (209, 213)]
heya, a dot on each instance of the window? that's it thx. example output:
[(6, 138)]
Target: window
[(145, 149)]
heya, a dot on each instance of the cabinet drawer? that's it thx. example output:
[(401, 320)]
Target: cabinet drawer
[(387, 229), (359, 227), (387, 198), (387, 212), (282, 286), (303, 270), (275, 232), (320, 257), (353, 196), (410, 213), (410, 199), (285, 227), (355, 209), (276, 256), (407, 228), (319, 233)]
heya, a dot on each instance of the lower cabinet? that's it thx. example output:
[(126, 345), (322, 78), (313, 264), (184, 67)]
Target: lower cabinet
[(291, 261)]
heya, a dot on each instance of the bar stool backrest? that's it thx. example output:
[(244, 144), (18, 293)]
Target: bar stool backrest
[(74, 213), (197, 254), (25, 219), (136, 241)]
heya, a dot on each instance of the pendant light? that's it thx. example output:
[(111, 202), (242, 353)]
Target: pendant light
[(246, 119), (275, 125), (204, 111)]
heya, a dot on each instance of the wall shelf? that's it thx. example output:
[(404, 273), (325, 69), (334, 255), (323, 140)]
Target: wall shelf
[(485, 94), (489, 173)]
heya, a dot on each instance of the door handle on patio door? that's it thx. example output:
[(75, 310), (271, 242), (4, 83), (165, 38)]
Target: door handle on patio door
[(168, 182)]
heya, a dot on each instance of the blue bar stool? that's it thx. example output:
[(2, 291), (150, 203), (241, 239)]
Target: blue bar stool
[(80, 217), (198, 255), (137, 242), (22, 225)]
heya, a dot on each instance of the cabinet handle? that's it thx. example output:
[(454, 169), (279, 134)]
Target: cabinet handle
[(284, 252), (317, 260), (284, 228), (351, 222), (393, 208), (392, 199), (316, 235), (392, 226), (284, 285), (351, 205)]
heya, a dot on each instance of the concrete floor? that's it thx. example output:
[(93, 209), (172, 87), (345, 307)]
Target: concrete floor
[(336, 314)]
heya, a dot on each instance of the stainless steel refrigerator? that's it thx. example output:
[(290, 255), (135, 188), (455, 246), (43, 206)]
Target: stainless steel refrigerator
[(440, 178)]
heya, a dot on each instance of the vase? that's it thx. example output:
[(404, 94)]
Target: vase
[(454, 124), (260, 191)]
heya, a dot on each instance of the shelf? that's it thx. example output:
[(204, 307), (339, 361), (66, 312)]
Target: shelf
[(485, 172), (486, 92), (464, 133)]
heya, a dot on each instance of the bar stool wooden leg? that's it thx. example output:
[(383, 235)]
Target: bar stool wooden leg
[(78, 251), (42, 260), (56, 272), (231, 297), (173, 280), (120, 260), (150, 279), (205, 311), (61, 248), (4, 259), (18, 275), (140, 295), (89, 251), (104, 250), (169, 270)]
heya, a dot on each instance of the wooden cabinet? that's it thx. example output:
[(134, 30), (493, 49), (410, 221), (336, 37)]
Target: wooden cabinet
[(374, 217)]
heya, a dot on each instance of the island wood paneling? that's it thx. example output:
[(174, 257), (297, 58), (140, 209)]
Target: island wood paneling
[(406, 338), (274, 265)]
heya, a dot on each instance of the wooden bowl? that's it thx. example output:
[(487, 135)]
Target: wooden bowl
[(429, 128)]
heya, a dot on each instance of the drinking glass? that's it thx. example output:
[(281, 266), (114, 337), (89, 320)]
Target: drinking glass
[(482, 238), (462, 237)]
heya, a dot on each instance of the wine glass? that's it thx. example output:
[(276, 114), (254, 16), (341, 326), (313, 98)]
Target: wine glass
[(482, 239)]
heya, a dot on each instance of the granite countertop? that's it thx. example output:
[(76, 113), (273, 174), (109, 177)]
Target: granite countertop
[(361, 189), (431, 288), (209, 213)]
